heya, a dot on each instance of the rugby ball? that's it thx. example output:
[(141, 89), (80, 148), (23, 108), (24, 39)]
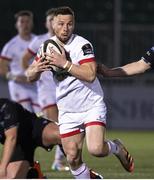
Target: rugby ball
[(46, 48)]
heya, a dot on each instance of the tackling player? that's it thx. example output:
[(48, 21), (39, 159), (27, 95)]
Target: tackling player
[(82, 111), (46, 91), (21, 132), (10, 63), (138, 67)]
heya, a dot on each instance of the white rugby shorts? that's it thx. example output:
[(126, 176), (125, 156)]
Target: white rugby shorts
[(75, 123), (46, 99), (24, 93)]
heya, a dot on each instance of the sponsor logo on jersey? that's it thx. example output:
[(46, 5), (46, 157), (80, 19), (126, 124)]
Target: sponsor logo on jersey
[(100, 118), (87, 49)]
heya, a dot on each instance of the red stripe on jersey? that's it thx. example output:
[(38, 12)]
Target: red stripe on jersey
[(36, 58), (34, 104), (95, 123), (70, 133), (28, 100), (48, 106), (30, 51), (5, 58), (86, 60), (24, 100)]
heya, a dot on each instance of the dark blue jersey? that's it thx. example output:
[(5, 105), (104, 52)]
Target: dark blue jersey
[(13, 114), (29, 129)]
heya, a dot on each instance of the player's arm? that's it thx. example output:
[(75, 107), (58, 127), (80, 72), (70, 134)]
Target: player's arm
[(130, 69), (5, 60), (36, 68), (4, 67), (85, 72), (138, 67), (26, 58), (4, 72), (8, 149)]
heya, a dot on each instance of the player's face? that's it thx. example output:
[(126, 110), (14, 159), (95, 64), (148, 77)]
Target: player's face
[(63, 26), (49, 20), (24, 24)]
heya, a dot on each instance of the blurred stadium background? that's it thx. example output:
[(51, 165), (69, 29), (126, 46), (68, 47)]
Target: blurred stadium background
[(121, 32)]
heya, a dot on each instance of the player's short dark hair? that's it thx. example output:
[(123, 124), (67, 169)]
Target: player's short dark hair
[(64, 10), (50, 12), (23, 13)]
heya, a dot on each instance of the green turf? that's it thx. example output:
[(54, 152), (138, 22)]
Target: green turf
[(140, 144)]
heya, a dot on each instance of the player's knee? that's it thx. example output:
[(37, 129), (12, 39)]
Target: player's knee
[(72, 154), (96, 150)]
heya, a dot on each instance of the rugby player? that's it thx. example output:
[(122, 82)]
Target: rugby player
[(21, 132), (82, 111)]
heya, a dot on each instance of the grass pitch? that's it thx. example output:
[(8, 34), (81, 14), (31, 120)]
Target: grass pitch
[(140, 145)]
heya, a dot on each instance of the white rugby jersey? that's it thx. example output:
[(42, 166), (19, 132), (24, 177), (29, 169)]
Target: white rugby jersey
[(72, 94), (37, 41), (43, 84), (33, 49), (13, 52)]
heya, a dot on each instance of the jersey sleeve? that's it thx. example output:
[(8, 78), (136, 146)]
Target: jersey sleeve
[(6, 53), (34, 46), (10, 115), (39, 53), (85, 53), (149, 57)]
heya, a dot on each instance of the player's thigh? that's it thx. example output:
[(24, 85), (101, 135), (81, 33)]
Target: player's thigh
[(17, 169), (50, 134), (95, 136)]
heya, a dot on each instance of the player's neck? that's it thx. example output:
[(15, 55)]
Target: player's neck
[(26, 37)]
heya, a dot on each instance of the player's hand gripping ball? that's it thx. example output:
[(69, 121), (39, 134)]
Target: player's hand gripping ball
[(59, 73), (46, 48)]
